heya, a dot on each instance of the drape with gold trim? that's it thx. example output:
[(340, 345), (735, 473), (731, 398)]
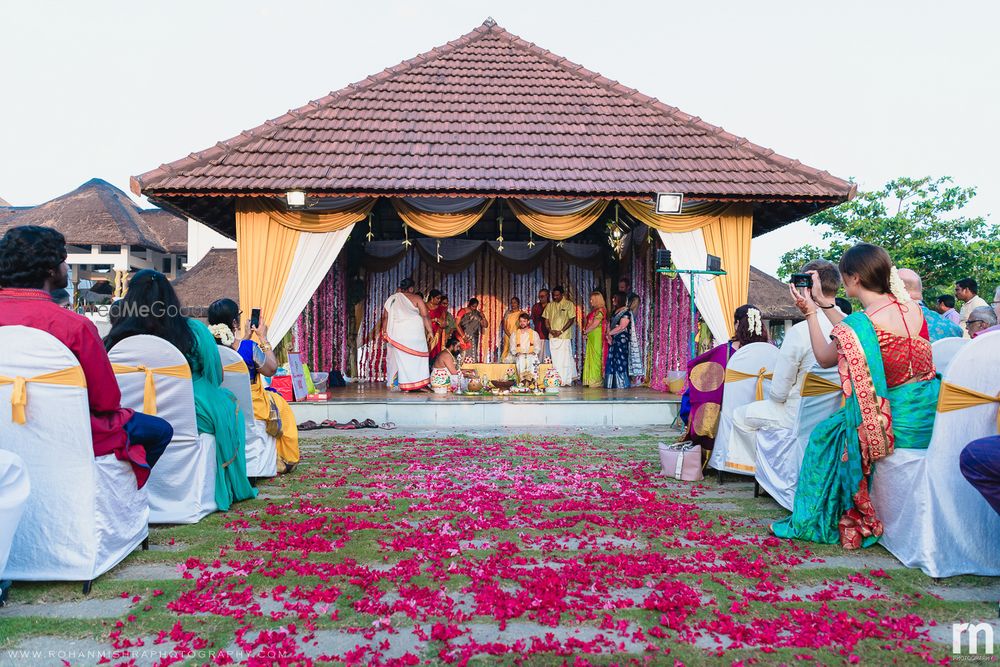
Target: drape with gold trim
[(440, 225), (558, 227)]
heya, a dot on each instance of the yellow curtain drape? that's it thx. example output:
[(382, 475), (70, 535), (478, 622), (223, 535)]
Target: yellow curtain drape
[(692, 217), (818, 386), (68, 377), (558, 227), (149, 389), (728, 237), (237, 367), (733, 375), (955, 397), (440, 225), (306, 221), (265, 250)]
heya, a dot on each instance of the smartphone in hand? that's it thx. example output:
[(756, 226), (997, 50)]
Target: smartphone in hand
[(802, 280), (255, 318)]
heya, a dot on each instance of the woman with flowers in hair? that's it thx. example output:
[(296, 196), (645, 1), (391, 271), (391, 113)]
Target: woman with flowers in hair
[(701, 403), (887, 372)]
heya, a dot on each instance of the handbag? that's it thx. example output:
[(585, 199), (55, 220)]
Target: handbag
[(681, 460), (273, 423)]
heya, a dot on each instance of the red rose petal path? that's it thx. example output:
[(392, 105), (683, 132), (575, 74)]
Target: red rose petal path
[(406, 552)]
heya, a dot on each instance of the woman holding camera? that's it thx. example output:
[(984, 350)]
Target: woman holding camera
[(887, 372)]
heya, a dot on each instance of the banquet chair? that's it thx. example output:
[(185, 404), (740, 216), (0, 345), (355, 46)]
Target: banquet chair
[(155, 378), (262, 452), (84, 514), (14, 490), (944, 351), (934, 519), (748, 378), (780, 450)]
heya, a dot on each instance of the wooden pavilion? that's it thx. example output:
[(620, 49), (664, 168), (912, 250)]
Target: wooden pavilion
[(487, 158)]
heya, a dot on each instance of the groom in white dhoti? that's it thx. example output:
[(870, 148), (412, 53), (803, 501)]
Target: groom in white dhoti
[(525, 348), (560, 317), (405, 328)]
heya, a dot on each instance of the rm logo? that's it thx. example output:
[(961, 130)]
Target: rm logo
[(975, 631)]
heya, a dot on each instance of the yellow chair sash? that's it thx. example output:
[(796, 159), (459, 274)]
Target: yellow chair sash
[(955, 397), (816, 385), (733, 375), (237, 367), (149, 391), (68, 377)]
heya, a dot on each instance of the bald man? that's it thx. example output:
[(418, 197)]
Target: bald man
[(937, 326)]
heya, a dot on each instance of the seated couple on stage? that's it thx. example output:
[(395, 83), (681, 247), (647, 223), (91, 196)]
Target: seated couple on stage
[(33, 264), (261, 362)]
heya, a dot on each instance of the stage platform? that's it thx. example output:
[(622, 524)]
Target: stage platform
[(572, 406)]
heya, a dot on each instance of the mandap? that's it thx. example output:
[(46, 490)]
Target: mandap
[(487, 167)]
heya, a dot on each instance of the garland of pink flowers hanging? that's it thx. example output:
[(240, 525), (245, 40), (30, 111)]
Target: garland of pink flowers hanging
[(673, 325), (321, 330)]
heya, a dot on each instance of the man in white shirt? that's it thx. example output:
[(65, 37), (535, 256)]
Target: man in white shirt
[(525, 346), (967, 290), (795, 360)]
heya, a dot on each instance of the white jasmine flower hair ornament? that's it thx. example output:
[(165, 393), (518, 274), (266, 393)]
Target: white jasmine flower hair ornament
[(896, 286), (223, 334), (754, 321)]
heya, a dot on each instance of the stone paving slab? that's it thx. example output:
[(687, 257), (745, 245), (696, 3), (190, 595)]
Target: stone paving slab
[(147, 572), (943, 633), (54, 652), (860, 560), (89, 608), (990, 593)]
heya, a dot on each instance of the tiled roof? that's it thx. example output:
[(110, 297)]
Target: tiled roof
[(98, 213), (490, 113)]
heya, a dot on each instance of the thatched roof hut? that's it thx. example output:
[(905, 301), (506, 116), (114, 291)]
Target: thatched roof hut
[(771, 296), (214, 277)]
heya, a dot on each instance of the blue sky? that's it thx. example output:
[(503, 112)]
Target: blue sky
[(870, 90)]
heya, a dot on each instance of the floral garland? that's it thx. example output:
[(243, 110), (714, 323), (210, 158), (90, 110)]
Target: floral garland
[(897, 287), (223, 334)]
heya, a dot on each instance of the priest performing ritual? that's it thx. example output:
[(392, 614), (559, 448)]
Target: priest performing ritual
[(407, 327)]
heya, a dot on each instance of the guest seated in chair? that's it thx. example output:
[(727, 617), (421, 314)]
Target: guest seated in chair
[(938, 326), (32, 265), (780, 408), (224, 322), (151, 307), (980, 321), (980, 464), (891, 392), (701, 403)]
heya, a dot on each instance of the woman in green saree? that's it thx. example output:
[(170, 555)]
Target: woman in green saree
[(890, 389), (151, 307)]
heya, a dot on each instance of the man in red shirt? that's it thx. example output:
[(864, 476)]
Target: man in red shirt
[(539, 322), (32, 264)]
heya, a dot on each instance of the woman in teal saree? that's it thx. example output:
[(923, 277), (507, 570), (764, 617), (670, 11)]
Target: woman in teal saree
[(151, 307), (890, 395)]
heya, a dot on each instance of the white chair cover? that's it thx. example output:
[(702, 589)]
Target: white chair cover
[(729, 454), (262, 452), (182, 484), (944, 351), (780, 450), (14, 490), (84, 515), (934, 519)]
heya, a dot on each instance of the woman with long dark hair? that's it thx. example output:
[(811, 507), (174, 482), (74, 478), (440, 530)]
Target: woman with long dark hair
[(151, 307), (619, 337), (701, 403), (891, 391), (224, 323)]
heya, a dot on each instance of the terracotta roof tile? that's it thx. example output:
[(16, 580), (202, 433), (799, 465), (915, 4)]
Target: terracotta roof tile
[(491, 113)]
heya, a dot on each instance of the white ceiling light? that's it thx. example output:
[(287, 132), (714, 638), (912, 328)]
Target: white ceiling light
[(668, 203)]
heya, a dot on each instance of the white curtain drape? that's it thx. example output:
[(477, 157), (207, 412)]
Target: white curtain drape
[(314, 256), (688, 251)]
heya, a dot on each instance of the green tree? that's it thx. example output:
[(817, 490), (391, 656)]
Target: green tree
[(919, 222)]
